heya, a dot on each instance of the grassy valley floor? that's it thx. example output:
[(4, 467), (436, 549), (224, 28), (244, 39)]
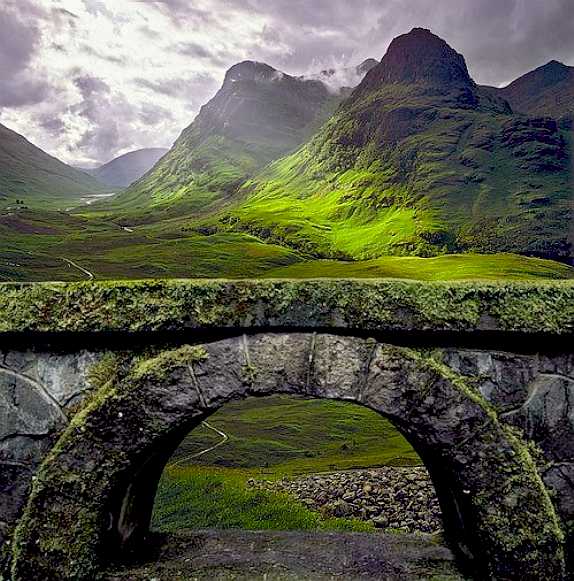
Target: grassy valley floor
[(57, 246), (271, 438)]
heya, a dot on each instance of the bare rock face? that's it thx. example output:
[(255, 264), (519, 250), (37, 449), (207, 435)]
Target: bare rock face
[(421, 57), (545, 91)]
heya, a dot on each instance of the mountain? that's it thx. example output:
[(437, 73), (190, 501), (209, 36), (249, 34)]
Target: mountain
[(29, 174), (344, 79), (126, 169), (546, 91), (258, 115), (418, 160)]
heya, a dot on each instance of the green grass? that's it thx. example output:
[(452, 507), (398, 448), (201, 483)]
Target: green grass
[(191, 498), (34, 246), (272, 437), (30, 175), (284, 435), (449, 267), (370, 183)]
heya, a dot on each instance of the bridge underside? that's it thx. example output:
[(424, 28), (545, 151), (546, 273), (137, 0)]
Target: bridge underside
[(93, 494), (88, 425)]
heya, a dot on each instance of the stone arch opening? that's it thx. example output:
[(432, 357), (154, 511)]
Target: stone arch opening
[(94, 493), (344, 466)]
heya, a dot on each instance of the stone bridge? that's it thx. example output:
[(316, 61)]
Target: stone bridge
[(100, 382)]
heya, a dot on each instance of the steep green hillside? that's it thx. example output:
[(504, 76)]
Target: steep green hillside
[(31, 176), (258, 115), (282, 434), (419, 160)]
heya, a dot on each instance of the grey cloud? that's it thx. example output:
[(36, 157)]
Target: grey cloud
[(196, 51), (198, 88), (52, 125), (182, 12), (90, 86), (21, 91), (151, 115), (19, 40), (501, 39), (101, 141), (90, 51)]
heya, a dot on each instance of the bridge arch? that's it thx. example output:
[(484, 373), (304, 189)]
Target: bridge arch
[(93, 495)]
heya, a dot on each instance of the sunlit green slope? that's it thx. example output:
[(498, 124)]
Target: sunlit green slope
[(419, 160), (258, 115)]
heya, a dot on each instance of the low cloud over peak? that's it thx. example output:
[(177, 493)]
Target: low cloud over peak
[(89, 79)]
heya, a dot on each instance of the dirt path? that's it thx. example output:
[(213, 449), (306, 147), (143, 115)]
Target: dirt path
[(89, 274), (224, 438), (290, 556)]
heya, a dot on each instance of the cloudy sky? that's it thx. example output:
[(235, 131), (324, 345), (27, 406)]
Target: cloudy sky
[(87, 80)]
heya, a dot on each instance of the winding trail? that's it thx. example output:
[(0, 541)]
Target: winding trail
[(90, 275), (224, 438)]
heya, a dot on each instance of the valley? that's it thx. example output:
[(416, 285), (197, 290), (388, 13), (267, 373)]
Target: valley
[(418, 172), (287, 291)]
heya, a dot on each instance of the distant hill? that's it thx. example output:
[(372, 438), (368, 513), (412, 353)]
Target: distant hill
[(548, 90), (126, 169), (418, 160), (258, 115), (29, 174)]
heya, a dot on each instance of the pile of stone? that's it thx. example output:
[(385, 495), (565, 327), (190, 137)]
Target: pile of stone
[(399, 499)]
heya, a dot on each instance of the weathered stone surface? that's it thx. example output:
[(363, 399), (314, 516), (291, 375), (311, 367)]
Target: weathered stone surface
[(374, 305), (547, 416), (277, 363), (65, 375), (502, 378), (339, 367), (94, 493), (104, 421)]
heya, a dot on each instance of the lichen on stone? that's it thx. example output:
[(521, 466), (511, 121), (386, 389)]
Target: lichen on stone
[(158, 367), (351, 304)]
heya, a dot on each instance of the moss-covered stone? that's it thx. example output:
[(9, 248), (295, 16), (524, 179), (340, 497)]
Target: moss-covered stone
[(92, 492), (376, 305)]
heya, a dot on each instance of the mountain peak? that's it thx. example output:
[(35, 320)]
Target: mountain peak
[(421, 57), (554, 71), (556, 65), (252, 71), (366, 66)]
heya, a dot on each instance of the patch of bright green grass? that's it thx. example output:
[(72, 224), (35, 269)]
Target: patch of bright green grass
[(449, 267), (191, 498), (282, 435), (37, 246)]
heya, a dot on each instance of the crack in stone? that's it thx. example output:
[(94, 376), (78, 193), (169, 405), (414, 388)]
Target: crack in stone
[(311, 362), (534, 389), (364, 383), (31, 436), (247, 358), (39, 388), (196, 386), (16, 464)]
